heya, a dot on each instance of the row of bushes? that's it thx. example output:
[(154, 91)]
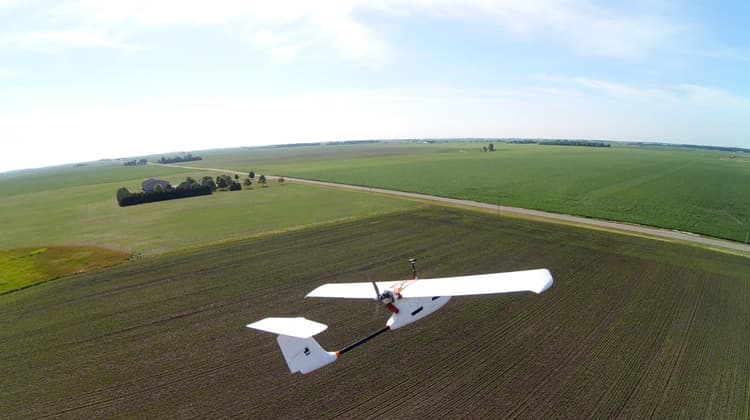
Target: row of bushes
[(135, 162), (584, 143), (127, 198), (188, 158)]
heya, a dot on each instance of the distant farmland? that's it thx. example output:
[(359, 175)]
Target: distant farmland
[(72, 213), (77, 206), (690, 190), (632, 327)]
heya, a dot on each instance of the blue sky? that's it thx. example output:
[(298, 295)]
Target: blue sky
[(84, 79)]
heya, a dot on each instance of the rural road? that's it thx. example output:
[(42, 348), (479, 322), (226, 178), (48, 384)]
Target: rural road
[(577, 220)]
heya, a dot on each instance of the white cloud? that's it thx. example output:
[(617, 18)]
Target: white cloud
[(695, 95), (167, 13), (621, 89), (711, 97), (287, 29), (6, 74), (9, 3), (54, 41), (721, 52), (333, 31), (579, 24)]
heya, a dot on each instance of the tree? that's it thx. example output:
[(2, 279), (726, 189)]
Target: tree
[(223, 181), (262, 180), (188, 184), (236, 177), (248, 182), (235, 186), (208, 181), (484, 148), (281, 180), (122, 194), (251, 175), (491, 147)]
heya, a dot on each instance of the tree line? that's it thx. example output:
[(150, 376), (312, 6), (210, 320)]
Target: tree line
[(584, 143), (135, 162), (188, 188), (187, 158), (127, 198)]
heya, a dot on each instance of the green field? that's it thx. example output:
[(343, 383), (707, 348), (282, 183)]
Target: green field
[(632, 328), (68, 206), (80, 209), (675, 188), (24, 267), (69, 176)]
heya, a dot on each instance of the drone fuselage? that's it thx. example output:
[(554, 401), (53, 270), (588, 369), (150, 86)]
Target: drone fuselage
[(413, 309)]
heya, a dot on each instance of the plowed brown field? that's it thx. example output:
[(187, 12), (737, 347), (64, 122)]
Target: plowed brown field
[(631, 328)]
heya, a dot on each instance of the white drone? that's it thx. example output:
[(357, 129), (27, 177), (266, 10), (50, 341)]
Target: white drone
[(407, 301)]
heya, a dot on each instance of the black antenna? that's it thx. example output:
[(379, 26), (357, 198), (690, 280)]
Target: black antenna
[(413, 262)]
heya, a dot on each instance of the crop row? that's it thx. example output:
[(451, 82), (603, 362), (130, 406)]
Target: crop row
[(631, 328)]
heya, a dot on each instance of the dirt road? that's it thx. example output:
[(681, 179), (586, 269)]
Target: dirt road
[(543, 215)]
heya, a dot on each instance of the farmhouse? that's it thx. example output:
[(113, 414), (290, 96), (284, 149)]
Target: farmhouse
[(150, 184)]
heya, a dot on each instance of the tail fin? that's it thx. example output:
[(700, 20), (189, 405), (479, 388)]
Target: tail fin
[(302, 353)]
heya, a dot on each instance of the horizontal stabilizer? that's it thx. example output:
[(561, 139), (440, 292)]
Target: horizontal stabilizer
[(294, 327), (301, 352)]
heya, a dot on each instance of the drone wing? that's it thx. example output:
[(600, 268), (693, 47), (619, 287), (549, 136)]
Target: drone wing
[(535, 281), (350, 290)]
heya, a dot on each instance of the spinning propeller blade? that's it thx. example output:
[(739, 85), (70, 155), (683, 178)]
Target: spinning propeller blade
[(377, 291), (375, 285), (376, 305)]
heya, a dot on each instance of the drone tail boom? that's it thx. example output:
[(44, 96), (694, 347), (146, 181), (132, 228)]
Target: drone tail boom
[(301, 352)]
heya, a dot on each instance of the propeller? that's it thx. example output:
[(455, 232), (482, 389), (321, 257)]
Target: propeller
[(375, 285), (376, 306)]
